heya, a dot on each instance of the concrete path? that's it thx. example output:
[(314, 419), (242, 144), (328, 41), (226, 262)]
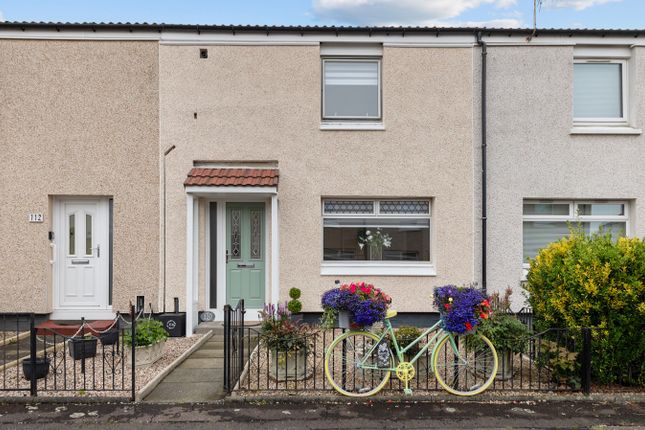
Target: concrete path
[(199, 378)]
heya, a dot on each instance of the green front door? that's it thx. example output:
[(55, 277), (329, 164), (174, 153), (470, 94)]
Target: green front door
[(245, 254)]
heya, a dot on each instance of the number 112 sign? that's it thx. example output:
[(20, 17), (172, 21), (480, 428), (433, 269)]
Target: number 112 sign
[(36, 217)]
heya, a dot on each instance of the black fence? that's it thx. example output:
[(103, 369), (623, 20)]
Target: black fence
[(552, 360), (59, 360), (234, 351)]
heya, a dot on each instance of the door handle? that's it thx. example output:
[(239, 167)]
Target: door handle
[(53, 246), (80, 261), (247, 266)]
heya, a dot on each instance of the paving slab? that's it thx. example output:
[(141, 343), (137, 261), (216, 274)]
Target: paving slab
[(186, 392), (196, 375), (202, 363), (208, 353)]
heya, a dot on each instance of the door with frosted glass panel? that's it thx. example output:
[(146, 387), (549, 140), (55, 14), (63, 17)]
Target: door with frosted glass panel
[(82, 241), (245, 254)]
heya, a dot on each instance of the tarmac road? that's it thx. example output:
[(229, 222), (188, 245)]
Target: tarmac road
[(328, 415)]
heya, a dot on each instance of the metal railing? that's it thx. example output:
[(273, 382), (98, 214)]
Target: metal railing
[(553, 360), (81, 358), (234, 358)]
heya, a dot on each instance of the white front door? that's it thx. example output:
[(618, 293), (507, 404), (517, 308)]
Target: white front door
[(81, 273)]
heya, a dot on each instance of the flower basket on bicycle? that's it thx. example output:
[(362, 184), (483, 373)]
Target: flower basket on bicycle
[(461, 308), (357, 306)]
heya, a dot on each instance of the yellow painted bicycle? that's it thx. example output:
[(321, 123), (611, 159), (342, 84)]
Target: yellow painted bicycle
[(360, 363)]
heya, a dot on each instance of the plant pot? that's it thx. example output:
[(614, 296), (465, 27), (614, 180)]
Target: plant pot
[(344, 319), (80, 348), (505, 365), (297, 317), (146, 355), (110, 337), (41, 368), (284, 365)]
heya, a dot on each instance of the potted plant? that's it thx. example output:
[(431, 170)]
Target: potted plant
[(82, 347), (506, 332), (374, 242), (288, 342), (356, 305), (294, 305), (109, 337), (149, 342), (462, 309), (40, 368)]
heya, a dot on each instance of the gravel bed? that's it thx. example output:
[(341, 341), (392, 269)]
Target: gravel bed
[(66, 379)]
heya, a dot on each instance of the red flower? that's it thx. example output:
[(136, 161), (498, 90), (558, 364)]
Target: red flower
[(446, 306), (352, 288), (483, 315), (468, 326), (486, 303), (367, 290)]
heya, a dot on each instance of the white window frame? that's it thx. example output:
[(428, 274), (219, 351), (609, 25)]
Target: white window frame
[(358, 119), (383, 267), (607, 122), (573, 217)]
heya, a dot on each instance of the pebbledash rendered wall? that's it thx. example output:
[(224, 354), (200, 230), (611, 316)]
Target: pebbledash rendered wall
[(77, 118), (532, 153), (263, 103)]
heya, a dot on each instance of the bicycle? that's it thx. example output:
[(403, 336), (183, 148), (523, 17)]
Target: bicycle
[(360, 363)]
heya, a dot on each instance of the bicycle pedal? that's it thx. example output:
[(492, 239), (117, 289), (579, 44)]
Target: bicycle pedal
[(407, 391)]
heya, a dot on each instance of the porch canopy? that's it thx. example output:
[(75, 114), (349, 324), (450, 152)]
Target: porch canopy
[(225, 183)]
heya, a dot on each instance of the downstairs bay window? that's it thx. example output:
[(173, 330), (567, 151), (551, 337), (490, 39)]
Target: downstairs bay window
[(545, 222), (376, 237)]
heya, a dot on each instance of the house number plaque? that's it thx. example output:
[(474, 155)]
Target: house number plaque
[(36, 217)]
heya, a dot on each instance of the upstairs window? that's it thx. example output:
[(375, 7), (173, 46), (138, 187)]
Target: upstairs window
[(351, 89), (599, 91)]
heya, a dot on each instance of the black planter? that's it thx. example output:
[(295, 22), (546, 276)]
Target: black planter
[(82, 348), (110, 337), (41, 368)]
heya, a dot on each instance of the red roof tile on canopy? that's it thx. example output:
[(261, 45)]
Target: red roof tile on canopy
[(232, 177)]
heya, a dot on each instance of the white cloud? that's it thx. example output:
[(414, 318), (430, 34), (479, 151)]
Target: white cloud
[(399, 12), (576, 4)]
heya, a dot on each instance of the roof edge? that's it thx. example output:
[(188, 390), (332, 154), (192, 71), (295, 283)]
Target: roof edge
[(198, 28)]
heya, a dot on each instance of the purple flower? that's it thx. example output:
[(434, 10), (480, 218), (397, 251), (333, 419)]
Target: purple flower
[(458, 306)]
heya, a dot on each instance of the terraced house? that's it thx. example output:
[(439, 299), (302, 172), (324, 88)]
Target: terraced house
[(214, 163)]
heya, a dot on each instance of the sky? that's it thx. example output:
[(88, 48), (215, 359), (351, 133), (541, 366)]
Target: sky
[(486, 13)]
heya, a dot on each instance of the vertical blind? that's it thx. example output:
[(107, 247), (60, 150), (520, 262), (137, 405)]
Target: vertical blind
[(597, 90), (351, 89)]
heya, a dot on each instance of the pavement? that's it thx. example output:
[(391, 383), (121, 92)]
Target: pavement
[(527, 414), (200, 378)]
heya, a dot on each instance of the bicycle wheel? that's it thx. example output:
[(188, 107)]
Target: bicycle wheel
[(467, 367), (342, 361)]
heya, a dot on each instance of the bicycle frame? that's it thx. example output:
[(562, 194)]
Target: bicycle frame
[(400, 352)]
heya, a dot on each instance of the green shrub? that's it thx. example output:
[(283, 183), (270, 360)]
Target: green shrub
[(294, 305), (583, 281), (502, 327), (405, 335), (148, 332)]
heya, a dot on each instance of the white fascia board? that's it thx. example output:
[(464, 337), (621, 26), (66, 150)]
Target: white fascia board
[(200, 189)]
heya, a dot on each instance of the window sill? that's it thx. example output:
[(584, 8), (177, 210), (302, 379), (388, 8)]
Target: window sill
[(377, 268), (356, 125), (605, 130)]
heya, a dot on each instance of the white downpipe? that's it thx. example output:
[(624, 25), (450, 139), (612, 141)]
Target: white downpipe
[(275, 251), (190, 229)]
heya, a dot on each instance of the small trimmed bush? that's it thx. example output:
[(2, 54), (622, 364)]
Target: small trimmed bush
[(583, 281), (294, 305), (405, 335), (148, 332)]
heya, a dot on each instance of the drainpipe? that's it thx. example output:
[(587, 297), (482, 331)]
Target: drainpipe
[(482, 44), (168, 151)]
